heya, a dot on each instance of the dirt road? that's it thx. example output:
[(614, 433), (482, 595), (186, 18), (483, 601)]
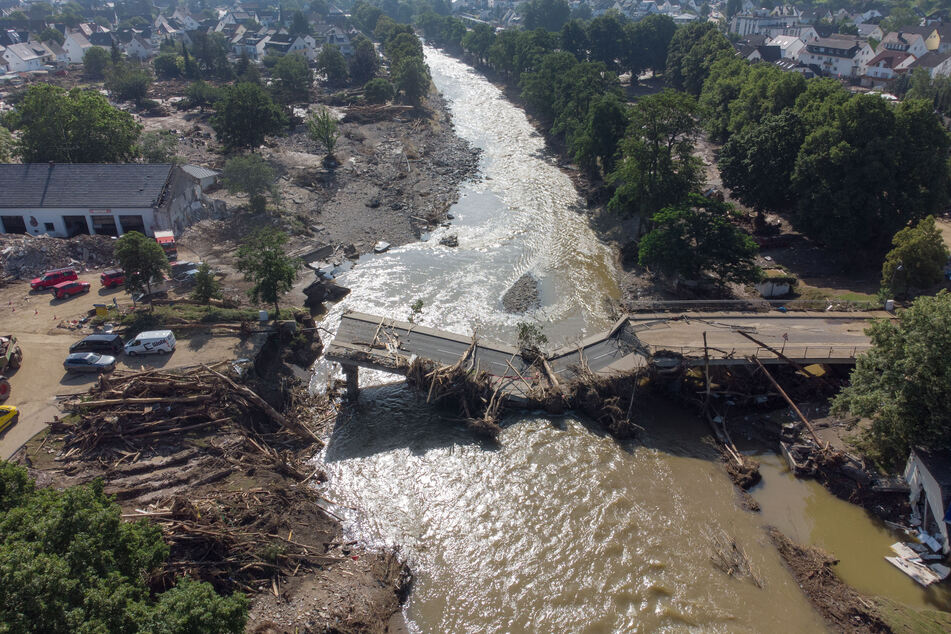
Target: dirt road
[(46, 327)]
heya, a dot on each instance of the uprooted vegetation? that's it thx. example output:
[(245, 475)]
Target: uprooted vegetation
[(217, 459)]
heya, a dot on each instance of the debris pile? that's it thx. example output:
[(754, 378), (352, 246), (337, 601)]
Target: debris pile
[(28, 256)]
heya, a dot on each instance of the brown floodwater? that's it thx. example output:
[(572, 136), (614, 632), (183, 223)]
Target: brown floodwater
[(807, 513)]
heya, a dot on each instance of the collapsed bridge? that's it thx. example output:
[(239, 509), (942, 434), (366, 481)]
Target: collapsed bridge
[(635, 341)]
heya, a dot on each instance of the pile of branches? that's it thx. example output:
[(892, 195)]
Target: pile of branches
[(480, 404), (729, 557), (125, 411), (608, 399), (251, 540)]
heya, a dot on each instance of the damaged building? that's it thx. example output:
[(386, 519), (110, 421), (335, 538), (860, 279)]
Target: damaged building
[(65, 200)]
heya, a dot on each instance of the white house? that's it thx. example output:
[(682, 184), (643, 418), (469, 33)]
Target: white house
[(26, 57), (911, 43), (885, 66), (834, 57), (306, 46), (76, 46), (186, 19), (928, 474), (789, 46), (937, 64), (139, 48), (64, 200)]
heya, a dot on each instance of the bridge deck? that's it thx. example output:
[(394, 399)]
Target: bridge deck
[(829, 338)]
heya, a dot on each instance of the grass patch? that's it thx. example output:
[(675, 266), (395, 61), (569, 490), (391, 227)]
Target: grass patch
[(812, 293), (902, 618), (167, 315)]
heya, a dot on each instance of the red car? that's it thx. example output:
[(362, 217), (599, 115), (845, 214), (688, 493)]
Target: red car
[(66, 289), (52, 278), (112, 277)]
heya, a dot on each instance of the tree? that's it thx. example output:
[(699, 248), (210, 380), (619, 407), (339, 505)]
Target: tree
[(206, 286), (333, 65), (917, 259), (292, 78), (158, 146), (252, 175), (646, 43), (168, 66), (245, 115), (694, 48), (322, 128), (68, 563), (378, 90), (657, 166), (128, 82), (696, 238), (606, 39), (299, 25), (402, 45), (903, 383), (49, 34), (412, 79), (602, 132), (7, 146), (364, 63), (265, 264), (143, 261), (95, 62), (545, 14), (755, 163), (78, 126), (574, 39), (201, 94)]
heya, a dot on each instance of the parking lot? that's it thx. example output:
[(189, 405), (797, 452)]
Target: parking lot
[(45, 327)]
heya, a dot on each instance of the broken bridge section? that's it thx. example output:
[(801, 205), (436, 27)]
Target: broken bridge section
[(633, 343)]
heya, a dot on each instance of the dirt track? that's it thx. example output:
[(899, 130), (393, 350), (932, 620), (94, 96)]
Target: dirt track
[(44, 331)]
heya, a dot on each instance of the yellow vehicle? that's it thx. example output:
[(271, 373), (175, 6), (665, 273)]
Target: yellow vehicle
[(9, 415)]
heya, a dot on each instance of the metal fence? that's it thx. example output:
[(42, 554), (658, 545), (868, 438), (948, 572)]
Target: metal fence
[(761, 305)]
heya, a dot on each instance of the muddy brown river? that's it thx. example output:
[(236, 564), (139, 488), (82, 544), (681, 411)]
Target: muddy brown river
[(557, 528)]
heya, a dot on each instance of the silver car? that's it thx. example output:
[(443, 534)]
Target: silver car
[(89, 362)]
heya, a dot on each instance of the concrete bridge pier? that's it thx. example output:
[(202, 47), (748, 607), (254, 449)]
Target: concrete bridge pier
[(352, 373)]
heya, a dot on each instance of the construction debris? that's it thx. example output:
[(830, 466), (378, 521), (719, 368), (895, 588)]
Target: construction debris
[(23, 256)]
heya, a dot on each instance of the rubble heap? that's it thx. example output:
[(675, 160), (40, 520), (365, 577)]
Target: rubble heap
[(23, 256)]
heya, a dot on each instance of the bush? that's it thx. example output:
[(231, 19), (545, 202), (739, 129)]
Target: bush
[(168, 66), (917, 259), (69, 563), (378, 90)]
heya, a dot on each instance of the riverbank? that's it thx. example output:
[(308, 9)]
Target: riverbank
[(233, 496)]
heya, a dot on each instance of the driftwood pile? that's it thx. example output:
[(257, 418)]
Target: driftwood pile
[(480, 405), (608, 399)]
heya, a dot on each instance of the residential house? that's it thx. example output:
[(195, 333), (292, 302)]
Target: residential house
[(833, 57), (64, 200), (279, 44), (58, 54), (21, 58), (186, 19), (103, 39), (928, 474), (339, 38), (789, 46), (872, 31), (139, 48), (885, 67), (76, 46), (905, 42), (305, 45), (937, 64)]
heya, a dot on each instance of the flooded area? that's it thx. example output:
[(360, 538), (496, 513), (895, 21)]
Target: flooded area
[(809, 514), (557, 527)]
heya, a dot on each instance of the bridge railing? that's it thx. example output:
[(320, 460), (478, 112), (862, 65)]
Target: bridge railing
[(759, 305), (795, 352)]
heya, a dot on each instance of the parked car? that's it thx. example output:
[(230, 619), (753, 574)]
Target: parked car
[(89, 362), (112, 278), (52, 278), (9, 415), (107, 344), (68, 289), (151, 342)]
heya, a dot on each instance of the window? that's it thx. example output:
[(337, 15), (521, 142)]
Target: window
[(49, 226)]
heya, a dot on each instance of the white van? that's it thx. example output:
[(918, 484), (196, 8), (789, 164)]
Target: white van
[(151, 342)]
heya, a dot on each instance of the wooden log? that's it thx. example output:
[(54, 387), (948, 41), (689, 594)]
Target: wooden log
[(182, 400), (802, 416)]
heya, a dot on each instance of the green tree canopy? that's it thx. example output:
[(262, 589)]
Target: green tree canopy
[(78, 126), (694, 48), (128, 82), (206, 286), (292, 79), (68, 563), (903, 383), (333, 65), (646, 43), (168, 66), (245, 115), (143, 261), (657, 166), (299, 25), (598, 140), (7, 145), (201, 94), (412, 79), (574, 39), (607, 39), (265, 264), (695, 238), (917, 258), (364, 63), (545, 14), (756, 164), (252, 175), (378, 90), (49, 34), (95, 62)]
